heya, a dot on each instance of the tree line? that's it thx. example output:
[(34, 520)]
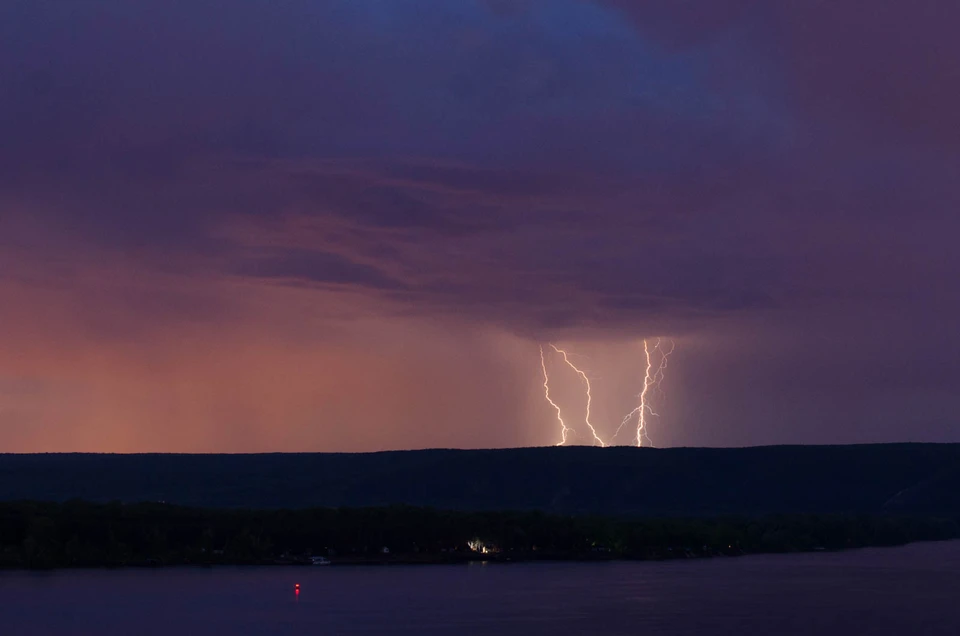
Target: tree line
[(82, 534)]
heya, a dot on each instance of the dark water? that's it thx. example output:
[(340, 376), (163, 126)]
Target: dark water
[(913, 590)]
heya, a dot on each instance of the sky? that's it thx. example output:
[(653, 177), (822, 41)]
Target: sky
[(325, 225)]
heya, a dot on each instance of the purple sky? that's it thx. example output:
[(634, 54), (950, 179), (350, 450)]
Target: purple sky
[(242, 225)]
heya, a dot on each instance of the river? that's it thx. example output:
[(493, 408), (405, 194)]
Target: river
[(910, 590)]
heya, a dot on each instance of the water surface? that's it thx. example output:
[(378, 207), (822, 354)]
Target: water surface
[(910, 590)]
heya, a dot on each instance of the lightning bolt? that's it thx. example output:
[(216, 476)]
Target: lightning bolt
[(564, 429), (586, 381), (644, 407), (651, 380), (662, 369)]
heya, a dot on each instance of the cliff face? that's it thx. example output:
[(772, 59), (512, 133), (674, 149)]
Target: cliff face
[(897, 478)]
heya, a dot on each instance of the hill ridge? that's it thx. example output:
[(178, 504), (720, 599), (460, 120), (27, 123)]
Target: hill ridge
[(862, 478)]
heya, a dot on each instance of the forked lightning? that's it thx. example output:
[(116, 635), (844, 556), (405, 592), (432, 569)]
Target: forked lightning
[(564, 429), (652, 380)]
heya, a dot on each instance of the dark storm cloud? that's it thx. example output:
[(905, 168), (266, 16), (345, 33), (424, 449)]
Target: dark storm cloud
[(684, 153), (885, 70), (316, 267)]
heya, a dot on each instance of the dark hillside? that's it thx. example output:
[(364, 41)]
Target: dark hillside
[(897, 478)]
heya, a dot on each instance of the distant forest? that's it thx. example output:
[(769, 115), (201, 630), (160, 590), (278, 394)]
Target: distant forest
[(82, 534)]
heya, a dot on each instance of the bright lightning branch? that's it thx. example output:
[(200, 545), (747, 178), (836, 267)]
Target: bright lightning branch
[(652, 380)]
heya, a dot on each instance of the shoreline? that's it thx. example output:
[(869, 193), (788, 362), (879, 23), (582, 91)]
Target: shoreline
[(450, 560), (45, 535)]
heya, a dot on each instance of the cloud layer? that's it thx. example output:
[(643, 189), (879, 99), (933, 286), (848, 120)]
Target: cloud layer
[(227, 225)]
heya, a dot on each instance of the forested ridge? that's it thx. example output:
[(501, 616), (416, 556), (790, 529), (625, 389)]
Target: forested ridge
[(431, 506)]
